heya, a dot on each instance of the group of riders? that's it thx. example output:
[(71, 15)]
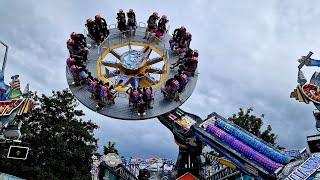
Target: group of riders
[(97, 29), (157, 26), (140, 98), (187, 63), (78, 57), (127, 24), (77, 63)]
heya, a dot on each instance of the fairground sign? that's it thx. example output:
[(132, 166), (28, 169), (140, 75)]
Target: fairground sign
[(305, 170)]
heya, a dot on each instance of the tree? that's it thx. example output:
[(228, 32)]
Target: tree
[(110, 148), (253, 124), (61, 143)]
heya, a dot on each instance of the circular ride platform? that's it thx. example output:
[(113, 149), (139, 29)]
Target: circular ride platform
[(131, 61)]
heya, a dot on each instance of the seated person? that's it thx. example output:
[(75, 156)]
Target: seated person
[(93, 31), (183, 44), (74, 69), (84, 55), (97, 94), (195, 55), (162, 26), (92, 83), (184, 58), (187, 39), (141, 108), (171, 89), (77, 74), (111, 93), (105, 92), (81, 56), (102, 26), (177, 36), (183, 79), (70, 61), (79, 39), (191, 66), (147, 96), (134, 96), (90, 77), (179, 48), (169, 81), (73, 49), (189, 54), (175, 85), (152, 25), (167, 90), (121, 18), (182, 68), (83, 74), (132, 23)]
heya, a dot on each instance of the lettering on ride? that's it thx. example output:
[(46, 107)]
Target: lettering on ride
[(306, 169), (222, 174)]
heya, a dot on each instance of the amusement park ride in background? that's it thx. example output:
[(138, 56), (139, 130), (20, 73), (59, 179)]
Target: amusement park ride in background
[(13, 103), (131, 61)]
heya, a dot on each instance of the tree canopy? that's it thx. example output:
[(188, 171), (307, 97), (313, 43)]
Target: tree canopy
[(110, 148), (61, 143), (253, 124)]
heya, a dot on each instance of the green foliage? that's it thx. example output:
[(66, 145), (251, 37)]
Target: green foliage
[(61, 143), (110, 148), (253, 124)]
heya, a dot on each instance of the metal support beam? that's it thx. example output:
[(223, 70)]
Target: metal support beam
[(5, 56)]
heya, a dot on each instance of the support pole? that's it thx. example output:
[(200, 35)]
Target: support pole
[(188, 161), (5, 56)]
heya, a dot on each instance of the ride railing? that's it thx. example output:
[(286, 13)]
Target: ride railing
[(131, 36), (117, 37), (123, 39)]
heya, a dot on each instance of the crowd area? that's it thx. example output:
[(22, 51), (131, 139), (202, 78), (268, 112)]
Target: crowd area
[(140, 98)]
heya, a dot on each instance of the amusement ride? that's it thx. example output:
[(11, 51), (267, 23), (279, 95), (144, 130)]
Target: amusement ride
[(125, 60), (13, 105), (135, 71)]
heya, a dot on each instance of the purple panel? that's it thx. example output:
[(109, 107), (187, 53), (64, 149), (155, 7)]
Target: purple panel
[(243, 148), (254, 143)]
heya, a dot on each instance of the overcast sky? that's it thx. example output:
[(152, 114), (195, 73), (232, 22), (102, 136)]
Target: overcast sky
[(248, 51)]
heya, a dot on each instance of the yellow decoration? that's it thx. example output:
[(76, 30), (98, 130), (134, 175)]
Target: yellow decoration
[(142, 70)]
